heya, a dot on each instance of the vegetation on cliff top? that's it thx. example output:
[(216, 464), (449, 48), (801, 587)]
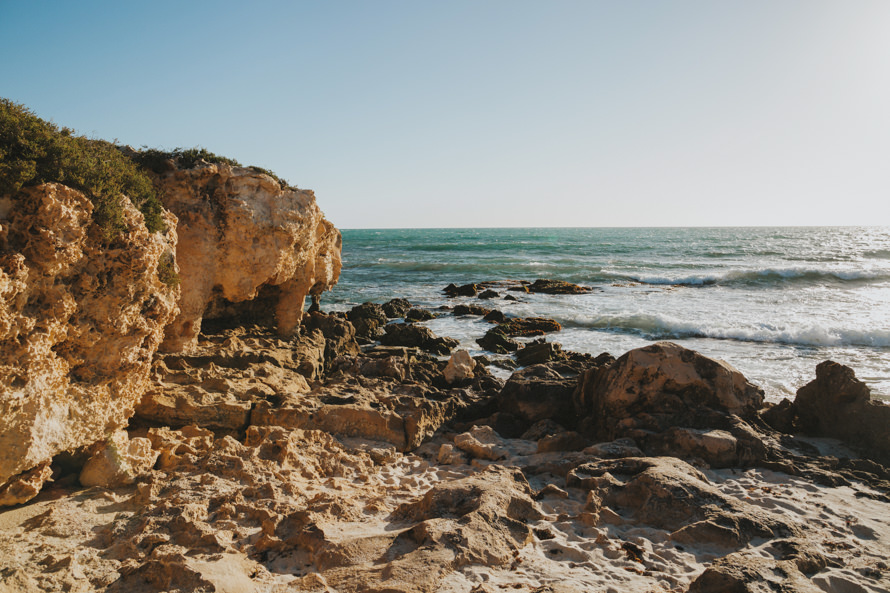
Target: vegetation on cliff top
[(34, 151)]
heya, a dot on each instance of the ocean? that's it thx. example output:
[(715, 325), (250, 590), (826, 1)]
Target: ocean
[(772, 302)]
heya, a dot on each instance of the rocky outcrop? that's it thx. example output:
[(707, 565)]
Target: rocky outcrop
[(80, 319), (660, 386), (247, 248), (838, 405)]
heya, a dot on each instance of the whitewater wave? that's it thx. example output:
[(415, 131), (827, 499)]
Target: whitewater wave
[(655, 326), (761, 276)]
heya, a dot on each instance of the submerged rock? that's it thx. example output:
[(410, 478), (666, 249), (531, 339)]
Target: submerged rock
[(557, 287)]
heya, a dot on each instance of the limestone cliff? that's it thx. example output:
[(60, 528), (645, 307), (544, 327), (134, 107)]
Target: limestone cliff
[(80, 320), (243, 237)]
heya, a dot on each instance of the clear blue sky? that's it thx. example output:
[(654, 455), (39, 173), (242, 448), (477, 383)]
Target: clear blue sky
[(491, 112)]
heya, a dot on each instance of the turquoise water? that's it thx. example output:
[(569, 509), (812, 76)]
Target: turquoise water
[(773, 302)]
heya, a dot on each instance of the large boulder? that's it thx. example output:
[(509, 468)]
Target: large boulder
[(660, 386), (836, 404), (417, 336), (244, 238), (80, 320)]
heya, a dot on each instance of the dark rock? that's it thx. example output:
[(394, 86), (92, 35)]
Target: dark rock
[(418, 336), (367, 318), (338, 332), (540, 392), (415, 315), (781, 416), (469, 290), (461, 310), (489, 294), (542, 428), (495, 340), (396, 308), (837, 404), (531, 326), (510, 297), (539, 352), (495, 316), (557, 287)]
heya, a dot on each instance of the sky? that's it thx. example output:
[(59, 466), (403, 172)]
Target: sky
[(490, 113)]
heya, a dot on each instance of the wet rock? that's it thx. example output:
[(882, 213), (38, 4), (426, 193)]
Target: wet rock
[(488, 294), (510, 297), (496, 340), (556, 287), (469, 290), (670, 494), (837, 404), (417, 336), (495, 316), (462, 310), (460, 367), (416, 315), (528, 327), (660, 386), (539, 352), (396, 308), (367, 319)]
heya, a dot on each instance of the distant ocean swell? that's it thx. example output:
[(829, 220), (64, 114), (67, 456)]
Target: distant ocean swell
[(663, 327)]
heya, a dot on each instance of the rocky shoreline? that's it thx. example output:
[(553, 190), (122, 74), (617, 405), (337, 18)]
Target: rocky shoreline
[(208, 435)]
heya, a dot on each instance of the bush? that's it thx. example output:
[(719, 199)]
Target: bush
[(34, 151), (185, 158)]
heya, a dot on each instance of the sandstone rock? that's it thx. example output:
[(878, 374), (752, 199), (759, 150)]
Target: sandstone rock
[(836, 404), (119, 461), (179, 447), (243, 237), (564, 441), (749, 573), (482, 442), (339, 335), (417, 336), (670, 494), (660, 386), (25, 486), (460, 367), (80, 320)]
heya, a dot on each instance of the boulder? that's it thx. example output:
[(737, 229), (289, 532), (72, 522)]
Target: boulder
[(496, 340), (417, 336), (367, 319), (531, 326), (247, 247), (80, 320), (469, 290), (339, 335), (482, 442), (838, 405), (461, 310), (495, 316), (415, 315), (396, 308), (460, 367), (539, 352), (540, 392), (660, 386), (488, 294), (119, 461)]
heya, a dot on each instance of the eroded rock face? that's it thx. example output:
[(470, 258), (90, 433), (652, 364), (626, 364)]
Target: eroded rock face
[(241, 236), (663, 385), (79, 323)]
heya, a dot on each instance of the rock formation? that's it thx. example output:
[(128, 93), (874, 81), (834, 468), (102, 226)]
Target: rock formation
[(80, 320), (247, 247)]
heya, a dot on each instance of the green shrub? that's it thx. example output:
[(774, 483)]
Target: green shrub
[(185, 158), (34, 151)]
